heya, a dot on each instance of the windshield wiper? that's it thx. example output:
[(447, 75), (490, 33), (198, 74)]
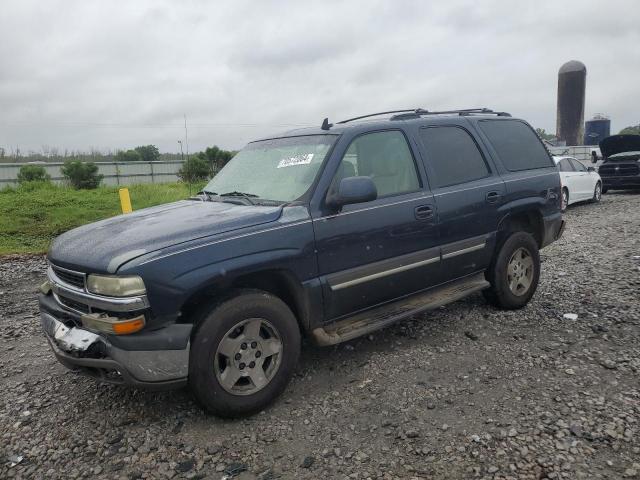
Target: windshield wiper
[(207, 194), (246, 196)]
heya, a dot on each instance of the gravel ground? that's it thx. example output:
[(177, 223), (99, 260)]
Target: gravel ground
[(466, 391)]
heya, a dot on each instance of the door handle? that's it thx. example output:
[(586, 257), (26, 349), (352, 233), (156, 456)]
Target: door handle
[(493, 197), (423, 211)]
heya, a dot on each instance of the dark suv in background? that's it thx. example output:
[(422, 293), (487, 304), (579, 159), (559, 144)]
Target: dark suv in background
[(328, 233), (621, 167)]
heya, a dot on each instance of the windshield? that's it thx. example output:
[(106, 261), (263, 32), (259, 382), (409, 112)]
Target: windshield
[(280, 169)]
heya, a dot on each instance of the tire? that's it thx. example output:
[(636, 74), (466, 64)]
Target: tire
[(501, 272), (239, 338), (604, 190), (564, 202), (597, 193)]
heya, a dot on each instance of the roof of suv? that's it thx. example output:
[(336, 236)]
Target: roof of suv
[(371, 122)]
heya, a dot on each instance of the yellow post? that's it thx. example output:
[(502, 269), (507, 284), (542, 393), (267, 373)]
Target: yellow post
[(125, 200)]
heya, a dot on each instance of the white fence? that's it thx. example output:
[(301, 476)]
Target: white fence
[(579, 152), (115, 173)]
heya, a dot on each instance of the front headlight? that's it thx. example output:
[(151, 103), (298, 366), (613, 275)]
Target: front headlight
[(116, 286)]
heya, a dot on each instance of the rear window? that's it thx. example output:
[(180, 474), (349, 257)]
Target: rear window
[(517, 145), (453, 155)]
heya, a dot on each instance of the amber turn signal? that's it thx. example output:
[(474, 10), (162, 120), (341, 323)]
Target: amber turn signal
[(116, 326), (125, 327)]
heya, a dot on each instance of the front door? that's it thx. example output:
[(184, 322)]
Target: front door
[(468, 194), (373, 252)]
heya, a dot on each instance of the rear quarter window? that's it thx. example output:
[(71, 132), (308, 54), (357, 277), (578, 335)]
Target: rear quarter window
[(516, 144)]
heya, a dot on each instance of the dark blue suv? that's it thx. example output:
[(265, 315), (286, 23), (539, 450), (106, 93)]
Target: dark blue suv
[(328, 233)]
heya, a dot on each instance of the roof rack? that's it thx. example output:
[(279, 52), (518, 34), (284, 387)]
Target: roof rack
[(418, 112)]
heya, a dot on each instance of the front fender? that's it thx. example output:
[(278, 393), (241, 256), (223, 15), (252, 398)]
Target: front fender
[(174, 277)]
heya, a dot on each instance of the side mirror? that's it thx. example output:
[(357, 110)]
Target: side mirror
[(591, 169), (353, 190)]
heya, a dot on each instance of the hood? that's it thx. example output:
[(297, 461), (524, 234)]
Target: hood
[(105, 245), (619, 144)]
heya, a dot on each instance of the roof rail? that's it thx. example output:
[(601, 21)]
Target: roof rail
[(418, 112), (376, 114)]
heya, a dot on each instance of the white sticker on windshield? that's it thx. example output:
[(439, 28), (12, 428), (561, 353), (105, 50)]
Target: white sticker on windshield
[(297, 160)]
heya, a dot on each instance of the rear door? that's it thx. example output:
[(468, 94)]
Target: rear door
[(583, 179), (468, 193)]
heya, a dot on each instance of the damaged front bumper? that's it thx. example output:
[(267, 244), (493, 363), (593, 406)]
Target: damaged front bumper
[(157, 359)]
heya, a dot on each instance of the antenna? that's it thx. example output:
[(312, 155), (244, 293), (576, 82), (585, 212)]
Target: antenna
[(326, 125), (186, 141), (186, 135)]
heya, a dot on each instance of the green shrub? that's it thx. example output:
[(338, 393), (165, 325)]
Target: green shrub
[(33, 173), (81, 174), (195, 169), (128, 156), (148, 153)]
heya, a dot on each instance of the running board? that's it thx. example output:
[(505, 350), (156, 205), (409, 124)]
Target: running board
[(380, 317)]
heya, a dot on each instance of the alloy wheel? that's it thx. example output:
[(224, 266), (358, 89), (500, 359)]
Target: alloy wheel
[(520, 270), (248, 357)]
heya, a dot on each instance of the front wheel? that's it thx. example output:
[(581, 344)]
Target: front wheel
[(565, 200), (514, 272), (597, 193), (243, 354)]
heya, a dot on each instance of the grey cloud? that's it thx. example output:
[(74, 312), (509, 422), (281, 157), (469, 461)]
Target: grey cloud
[(114, 75)]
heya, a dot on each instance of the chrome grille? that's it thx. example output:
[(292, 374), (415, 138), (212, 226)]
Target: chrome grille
[(73, 305), (74, 279), (619, 170)]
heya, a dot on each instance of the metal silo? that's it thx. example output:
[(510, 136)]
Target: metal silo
[(572, 78), (596, 129)]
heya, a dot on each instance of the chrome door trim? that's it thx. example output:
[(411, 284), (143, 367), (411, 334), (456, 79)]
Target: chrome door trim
[(382, 268), (384, 273), (455, 253)]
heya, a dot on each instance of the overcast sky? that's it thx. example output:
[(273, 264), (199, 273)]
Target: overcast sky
[(114, 74)]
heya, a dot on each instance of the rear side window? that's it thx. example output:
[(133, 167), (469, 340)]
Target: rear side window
[(453, 155), (564, 165), (578, 166), (517, 145)]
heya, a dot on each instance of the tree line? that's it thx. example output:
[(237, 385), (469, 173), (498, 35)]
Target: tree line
[(143, 153), (81, 174)]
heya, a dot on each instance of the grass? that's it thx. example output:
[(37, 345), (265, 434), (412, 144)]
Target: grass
[(31, 215)]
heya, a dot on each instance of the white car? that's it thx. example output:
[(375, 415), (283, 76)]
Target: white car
[(579, 183)]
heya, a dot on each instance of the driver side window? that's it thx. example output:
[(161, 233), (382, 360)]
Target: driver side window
[(386, 158)]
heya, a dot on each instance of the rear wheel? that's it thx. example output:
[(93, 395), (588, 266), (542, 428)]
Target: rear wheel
[(565, 199), (604, 190), (243, 354), (514, 272), (597, 193)]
